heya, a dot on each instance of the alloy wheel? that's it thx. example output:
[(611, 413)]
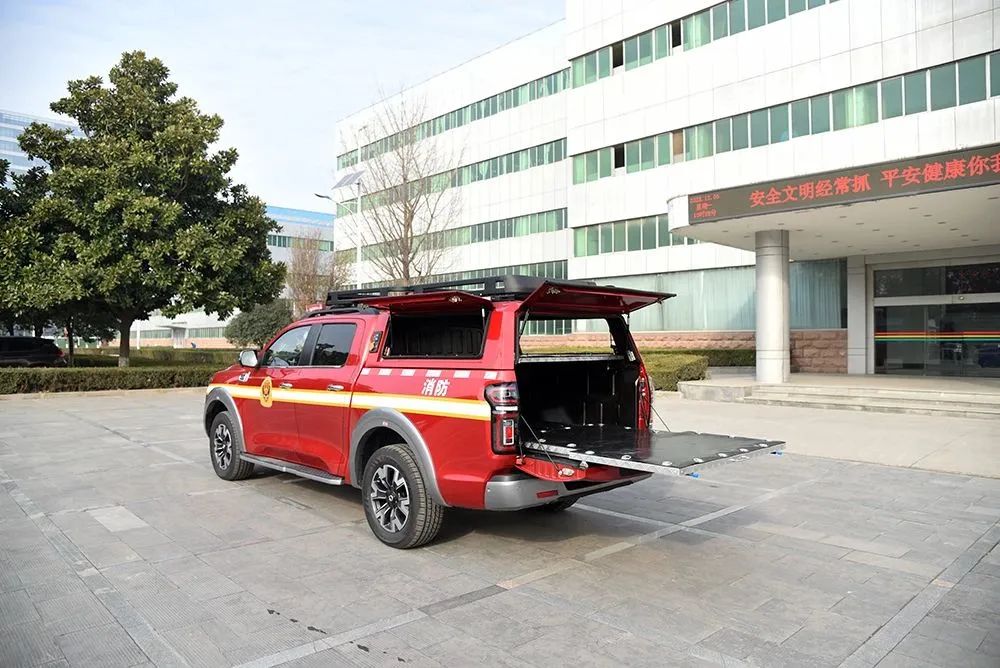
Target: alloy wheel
[(390, 498), (222, 446)]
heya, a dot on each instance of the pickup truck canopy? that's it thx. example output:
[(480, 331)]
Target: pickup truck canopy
[(570, 298)]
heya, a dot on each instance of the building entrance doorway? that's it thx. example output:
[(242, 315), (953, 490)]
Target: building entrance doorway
[(938, 321), (938, 339)]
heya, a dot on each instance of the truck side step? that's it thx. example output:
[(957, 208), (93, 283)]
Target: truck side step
[(295, 469)]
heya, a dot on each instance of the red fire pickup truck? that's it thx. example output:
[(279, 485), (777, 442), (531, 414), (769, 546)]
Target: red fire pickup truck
[(423, 397)]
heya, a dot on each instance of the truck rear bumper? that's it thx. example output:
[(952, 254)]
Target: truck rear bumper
[(514, 491)]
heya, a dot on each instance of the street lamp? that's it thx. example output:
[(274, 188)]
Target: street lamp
[(357, 209)]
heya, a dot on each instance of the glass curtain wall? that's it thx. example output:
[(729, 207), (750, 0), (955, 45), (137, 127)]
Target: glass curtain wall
[(723, 299)]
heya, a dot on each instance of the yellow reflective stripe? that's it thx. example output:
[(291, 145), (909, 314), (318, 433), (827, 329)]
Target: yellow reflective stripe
[(314, 397), (469, 409), (409, 403), (238, 391)]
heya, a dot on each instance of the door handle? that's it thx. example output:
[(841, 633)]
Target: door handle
[(335, 388), (285, 386)]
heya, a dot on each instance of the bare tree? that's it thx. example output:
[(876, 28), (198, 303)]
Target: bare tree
[(406, 187), (312, 272)]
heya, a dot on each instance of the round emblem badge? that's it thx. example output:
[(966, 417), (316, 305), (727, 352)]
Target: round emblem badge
[(265, 392)]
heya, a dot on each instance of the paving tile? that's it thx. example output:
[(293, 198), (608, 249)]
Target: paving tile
[(73, 612), (106, 646), (942, 652), (27, 644), (195, 646)]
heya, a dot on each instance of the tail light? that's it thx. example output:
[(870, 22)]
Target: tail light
[(502, 398)]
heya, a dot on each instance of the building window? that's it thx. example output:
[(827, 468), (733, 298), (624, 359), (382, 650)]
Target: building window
[(915, 92), (943, 94), (758, 128), (779, 123), (843, 109), (800, 118), (697, 30), (737, 16), (892, 98), (720, 21), (775, 10), (663, 149), (741, 136), (995, 74), (819, 114), (756, 14), (866, 104), (723, 135), (972, 80)]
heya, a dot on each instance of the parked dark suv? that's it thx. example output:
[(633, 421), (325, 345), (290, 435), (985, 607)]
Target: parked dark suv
[(29, 351)]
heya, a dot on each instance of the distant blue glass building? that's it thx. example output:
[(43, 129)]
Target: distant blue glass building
[(12, 124)]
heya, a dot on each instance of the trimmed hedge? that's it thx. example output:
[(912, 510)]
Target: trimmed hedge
[(165, 357), (19, 381), (667, 370)]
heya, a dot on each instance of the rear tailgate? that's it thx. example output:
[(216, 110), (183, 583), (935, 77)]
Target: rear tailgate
[(663, 452), (569, 298)]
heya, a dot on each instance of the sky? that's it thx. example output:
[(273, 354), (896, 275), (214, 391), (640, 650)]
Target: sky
[(280, 74)]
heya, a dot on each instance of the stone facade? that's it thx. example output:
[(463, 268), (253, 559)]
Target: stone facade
[(812, 350)]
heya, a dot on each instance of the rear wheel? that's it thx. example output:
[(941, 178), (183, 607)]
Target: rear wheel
[(558, 506), (398, 507), (225, 448)]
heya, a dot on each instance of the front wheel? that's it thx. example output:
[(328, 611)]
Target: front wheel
[(225, 448), (398, 507)]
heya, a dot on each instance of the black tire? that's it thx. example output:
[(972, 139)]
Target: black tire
[(558, 506), (409, 517), (224, 448)]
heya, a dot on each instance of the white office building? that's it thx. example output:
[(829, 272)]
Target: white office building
[(819, 179)]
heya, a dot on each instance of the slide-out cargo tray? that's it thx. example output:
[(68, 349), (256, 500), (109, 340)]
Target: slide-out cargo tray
[(664, 452)]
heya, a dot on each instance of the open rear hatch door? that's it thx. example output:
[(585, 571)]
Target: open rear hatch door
[(663, 452), (430, 302), (571, 298)]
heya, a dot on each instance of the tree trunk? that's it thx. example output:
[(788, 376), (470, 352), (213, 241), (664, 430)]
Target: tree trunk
[(39, 330), (124, 330), (69, 339)]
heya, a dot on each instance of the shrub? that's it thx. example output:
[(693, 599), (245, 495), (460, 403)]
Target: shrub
[(17, 381), (164, 357), (666, 370), (257, 326)]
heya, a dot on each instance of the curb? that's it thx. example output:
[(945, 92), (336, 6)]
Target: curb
[(101, 393)]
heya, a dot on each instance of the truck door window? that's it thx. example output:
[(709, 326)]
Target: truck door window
[(287, 350), (333, 344)]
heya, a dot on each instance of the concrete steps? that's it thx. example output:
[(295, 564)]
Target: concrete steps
[(884, 400)]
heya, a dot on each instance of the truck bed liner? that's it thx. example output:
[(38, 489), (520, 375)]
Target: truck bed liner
[(663, 452)]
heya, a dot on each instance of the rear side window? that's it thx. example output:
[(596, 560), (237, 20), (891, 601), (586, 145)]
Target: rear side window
[(21, 345), (449, 335), (333, 344)]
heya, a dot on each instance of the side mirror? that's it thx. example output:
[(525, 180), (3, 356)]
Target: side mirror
[(248, 358)]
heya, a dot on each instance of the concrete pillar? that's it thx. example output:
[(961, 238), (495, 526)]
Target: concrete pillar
[(857, 316), (772, 306)]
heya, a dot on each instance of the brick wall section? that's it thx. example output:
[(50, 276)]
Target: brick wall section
[(819, 350), (812, 350)]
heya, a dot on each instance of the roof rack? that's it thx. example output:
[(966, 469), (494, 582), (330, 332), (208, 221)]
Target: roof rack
[(495, 287)]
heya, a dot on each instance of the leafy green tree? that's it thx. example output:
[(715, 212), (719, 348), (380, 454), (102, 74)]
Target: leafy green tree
[(18, 195), (146, 216), (257, 326)]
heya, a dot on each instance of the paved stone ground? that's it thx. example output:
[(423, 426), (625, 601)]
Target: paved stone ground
[(120, 547)]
